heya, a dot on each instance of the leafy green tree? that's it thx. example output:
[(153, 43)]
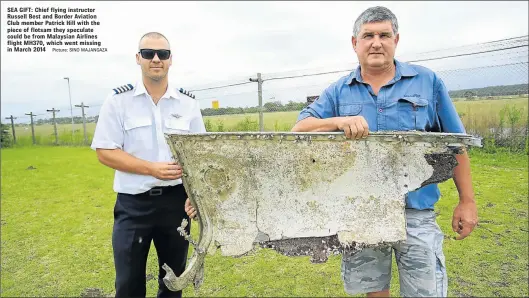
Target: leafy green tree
[(7, 140)]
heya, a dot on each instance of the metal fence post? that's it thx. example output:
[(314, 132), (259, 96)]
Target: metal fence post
[(260, 99), (82, 106), (55, 125)]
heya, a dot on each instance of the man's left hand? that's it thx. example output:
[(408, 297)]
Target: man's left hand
[(465, 218)]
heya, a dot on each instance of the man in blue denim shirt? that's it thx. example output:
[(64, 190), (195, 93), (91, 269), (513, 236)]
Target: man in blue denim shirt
[(385, 94)]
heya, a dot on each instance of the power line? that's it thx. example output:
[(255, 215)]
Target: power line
[(476, 44), (338, 71), (223, 86), (308, 75), (421, 60), (505, 39), (467, 54), (480, 67)]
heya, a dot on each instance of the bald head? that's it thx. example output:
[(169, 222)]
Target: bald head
[(152, 35)]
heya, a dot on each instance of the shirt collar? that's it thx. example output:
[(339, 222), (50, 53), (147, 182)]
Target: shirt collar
[(405, 69), (401, 70), (171, 91)]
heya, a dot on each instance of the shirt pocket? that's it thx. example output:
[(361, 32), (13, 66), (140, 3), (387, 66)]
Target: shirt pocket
[(177, 125), (413, 113), (352, 109), (138, 134)]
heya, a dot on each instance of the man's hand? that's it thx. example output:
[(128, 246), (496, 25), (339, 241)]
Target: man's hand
[(166, 170), (355, 127), (465, 218), (191, 212)]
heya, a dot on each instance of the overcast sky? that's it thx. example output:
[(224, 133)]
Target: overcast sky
[(229, 41)]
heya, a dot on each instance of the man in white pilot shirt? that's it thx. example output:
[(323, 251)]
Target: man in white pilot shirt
[(129, 138)]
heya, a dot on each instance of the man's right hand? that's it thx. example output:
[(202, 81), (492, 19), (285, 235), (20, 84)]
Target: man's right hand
[(190, 210), (355, 127), (166, 170)]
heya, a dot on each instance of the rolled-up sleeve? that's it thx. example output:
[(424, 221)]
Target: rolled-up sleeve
[(109, 129), (197, 121), (449, 120), (321, 108)]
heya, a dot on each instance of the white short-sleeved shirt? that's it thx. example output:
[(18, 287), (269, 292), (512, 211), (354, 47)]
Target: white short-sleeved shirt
[(132, 122)]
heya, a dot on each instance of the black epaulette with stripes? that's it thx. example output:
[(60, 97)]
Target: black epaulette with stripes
[(123, 88), (185, 92)]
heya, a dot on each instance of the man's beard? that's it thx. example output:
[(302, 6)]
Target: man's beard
[(155, 77)]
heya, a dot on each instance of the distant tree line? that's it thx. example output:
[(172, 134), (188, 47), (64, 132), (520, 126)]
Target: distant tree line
[(274, 106), (490, 91), (66, 120)]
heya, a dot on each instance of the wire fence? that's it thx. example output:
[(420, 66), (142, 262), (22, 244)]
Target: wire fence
[(488, 83)]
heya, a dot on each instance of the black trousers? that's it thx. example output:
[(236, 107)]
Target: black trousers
[(139, 219)]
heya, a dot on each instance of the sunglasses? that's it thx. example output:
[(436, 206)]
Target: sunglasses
[(149, 54)]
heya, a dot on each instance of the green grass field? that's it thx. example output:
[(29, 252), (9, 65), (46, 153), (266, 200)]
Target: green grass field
[(478, 115), (56, 222)]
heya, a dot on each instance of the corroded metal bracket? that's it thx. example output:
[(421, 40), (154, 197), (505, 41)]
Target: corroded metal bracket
[(310, 194)]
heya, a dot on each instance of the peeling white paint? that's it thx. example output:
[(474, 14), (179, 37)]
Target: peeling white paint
[(303, 186), (250, 187)]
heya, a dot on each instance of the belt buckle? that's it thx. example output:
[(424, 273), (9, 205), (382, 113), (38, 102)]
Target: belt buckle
[(155, 192)]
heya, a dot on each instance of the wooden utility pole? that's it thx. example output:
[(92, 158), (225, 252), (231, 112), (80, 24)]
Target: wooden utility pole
[(13, 128), (32, 128), (55, 125)]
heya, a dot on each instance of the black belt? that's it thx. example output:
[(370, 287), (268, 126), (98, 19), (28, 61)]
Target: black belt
[(159, 190)]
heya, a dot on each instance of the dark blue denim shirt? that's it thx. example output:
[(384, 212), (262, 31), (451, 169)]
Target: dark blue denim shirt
[(415, 99)]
